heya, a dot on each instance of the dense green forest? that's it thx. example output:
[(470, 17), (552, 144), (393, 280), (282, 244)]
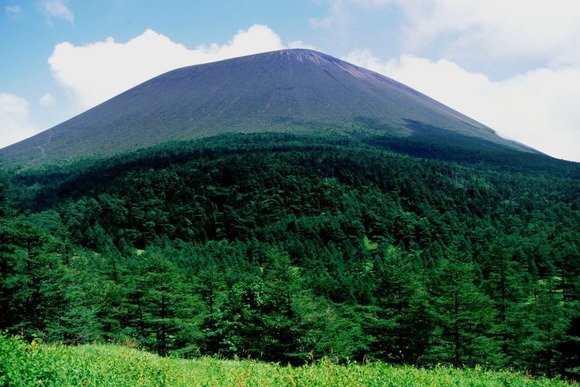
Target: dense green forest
[(289, 249)]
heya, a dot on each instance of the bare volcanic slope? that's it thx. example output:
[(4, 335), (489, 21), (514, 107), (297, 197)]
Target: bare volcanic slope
[(295, 91)]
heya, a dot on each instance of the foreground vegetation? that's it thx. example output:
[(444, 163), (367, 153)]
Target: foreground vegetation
[(23, 364), (289, 249)]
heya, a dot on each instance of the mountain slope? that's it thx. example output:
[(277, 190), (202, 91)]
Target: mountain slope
[(281, 91)]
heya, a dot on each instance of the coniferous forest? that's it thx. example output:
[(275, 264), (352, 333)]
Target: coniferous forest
[(288, 249)]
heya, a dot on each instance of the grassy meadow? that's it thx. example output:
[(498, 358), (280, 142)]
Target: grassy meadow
[(38, 364)]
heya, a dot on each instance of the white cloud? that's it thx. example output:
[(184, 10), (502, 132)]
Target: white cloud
[(339, 16), (15, 125), (13, 11), (500, 29), (478, 30), (538, 108), (47, 100), (58, 10), (96, 72), (301, 44)]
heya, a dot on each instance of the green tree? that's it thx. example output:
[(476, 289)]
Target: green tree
[(463, 317), (79, 322), (401, 323), (161, 308), (32, 291), (210, 285), (539, 326), (281, 319), (4, 187)]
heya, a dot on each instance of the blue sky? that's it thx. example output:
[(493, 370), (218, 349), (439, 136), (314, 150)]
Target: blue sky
[(513, 65)]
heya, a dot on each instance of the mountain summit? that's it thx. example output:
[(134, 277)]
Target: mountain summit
[(294, 91)]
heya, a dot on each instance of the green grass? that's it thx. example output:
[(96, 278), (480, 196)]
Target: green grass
[(23, 364)]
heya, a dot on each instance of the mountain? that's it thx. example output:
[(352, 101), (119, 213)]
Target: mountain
[(288, 91), (312, 235)]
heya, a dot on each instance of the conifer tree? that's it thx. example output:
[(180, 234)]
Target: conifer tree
[(539, 326), (463, 317), (402, 322), (165, 314)]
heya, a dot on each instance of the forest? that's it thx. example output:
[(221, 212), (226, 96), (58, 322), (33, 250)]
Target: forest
[(290, 248)]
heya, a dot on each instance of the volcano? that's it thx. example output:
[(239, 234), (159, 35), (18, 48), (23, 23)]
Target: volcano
[(287, 91)]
